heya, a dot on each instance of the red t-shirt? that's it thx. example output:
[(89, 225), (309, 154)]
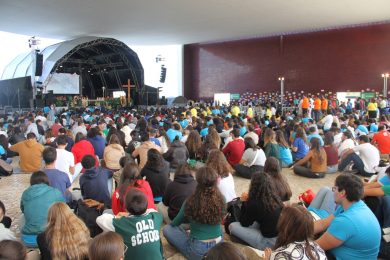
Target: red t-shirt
[(143, 186), (55, 129), (383, 140), (82, 148), (234, 151), (331, 155)]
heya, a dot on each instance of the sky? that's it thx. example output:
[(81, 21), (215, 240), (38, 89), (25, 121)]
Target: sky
[(11, 45)]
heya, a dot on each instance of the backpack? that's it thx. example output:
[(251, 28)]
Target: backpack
[(233, 213), (5, 168), (88, 210)]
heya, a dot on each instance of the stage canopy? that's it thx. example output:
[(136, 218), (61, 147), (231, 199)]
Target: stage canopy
[(100, 62)]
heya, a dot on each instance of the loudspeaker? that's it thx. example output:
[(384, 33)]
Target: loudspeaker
[(39, 64), (163, 74)]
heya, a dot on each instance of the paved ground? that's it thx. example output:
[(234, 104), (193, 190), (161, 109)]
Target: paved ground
[(11, 189)]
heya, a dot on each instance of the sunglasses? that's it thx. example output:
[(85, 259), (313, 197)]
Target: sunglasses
[(125, 248)]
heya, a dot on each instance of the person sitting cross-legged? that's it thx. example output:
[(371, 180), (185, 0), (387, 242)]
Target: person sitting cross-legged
[(366, 162), (352, 231), (30, 153), (317, 159), (139, 227), (94, 181), (35, 203)]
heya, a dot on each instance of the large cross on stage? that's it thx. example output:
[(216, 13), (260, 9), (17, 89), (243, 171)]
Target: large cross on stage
[(128, 86)]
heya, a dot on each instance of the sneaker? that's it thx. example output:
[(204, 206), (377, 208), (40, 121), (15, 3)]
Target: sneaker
[(386, 238), (386, 231)]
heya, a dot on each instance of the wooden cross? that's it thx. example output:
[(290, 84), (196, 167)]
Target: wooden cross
[(128, 86)]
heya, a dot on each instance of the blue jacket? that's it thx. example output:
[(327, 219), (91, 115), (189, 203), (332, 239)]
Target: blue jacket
[(35, 204)]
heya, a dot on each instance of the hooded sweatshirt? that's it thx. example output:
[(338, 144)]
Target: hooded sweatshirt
[(112, 154), (35, 204), (158, 177), (94, 185), (177, 192), (177, 154), (30, 152)]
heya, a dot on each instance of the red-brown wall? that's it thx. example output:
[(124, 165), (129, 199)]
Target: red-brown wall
[(335, 60)]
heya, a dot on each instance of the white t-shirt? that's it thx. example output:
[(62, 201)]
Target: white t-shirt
[(369, 155), (226, 187), (337, 139), (249, 157), (345, 145), (328, 120), (64, 160)]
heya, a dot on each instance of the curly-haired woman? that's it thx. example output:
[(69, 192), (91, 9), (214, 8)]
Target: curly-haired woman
[(204, 210), (260, 212), (295, 238), (218, 162), (65, 237)]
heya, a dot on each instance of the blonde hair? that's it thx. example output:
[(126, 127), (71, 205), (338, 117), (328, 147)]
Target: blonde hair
[(66, 234)]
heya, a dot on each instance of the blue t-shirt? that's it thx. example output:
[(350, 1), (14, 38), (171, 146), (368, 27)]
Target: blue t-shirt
[(303, 148), (2, 151), (309, 137), (204, 132), (155, 141), (362, 129), (285, 155), (60, 181), (373, 128), (305, 120), (359, 229), (172, 133), (242, 131), (216, 112), (184, 123)]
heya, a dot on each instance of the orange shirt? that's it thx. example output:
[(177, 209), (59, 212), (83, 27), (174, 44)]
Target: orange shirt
[(317, 104), (305, 103), (324, 104), (383, 140)]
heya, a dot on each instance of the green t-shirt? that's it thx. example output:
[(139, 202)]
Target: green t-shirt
[(386, 190), (199, 231), (141, 235)]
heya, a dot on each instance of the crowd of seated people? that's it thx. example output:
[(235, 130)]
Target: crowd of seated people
[(172, 170)]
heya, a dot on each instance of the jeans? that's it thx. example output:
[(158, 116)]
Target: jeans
[(324, 200), (383, 211), (191, 248), (306, 172), (317, 115), (252, 235), (332, 168), (358, 164), (164, 212)]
